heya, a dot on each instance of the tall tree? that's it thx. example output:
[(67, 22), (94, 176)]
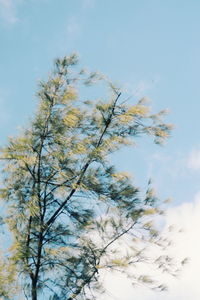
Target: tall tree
[(67, 205)]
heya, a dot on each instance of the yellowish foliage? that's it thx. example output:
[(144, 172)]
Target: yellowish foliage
[(72, 117), (125, 118), (33, 208), (80, 149), (145, 279), (57, 81), (70, 95), (139, 110), (30, 160), (71, 120), (120, 262), (57, 251), (150, 211), (8, 280), (135, 110), (161, 133), (121, 176), (104, 106), (99, 267), (148, 225)]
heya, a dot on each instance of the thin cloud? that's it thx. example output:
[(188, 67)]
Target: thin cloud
[(194, 159), (9, 11), (88, 3), (138, 89), (75, 23), (73, 27)]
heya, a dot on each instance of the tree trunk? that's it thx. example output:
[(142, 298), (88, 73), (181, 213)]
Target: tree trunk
[(34, 290)]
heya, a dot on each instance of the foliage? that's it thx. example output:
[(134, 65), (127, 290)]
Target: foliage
[(67, 205)]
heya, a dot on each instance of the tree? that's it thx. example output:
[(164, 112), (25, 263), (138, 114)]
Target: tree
[(67, 205)]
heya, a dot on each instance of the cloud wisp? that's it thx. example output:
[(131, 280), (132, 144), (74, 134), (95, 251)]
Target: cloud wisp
[(73, 27), (88, 3), (8, 11), (194, 159)]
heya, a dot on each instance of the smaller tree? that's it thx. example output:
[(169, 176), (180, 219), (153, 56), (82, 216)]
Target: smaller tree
[(68, 207)]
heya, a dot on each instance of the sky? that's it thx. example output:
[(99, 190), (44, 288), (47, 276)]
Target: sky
[(152, 49)]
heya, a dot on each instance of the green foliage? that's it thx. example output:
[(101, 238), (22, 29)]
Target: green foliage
[(67, 205)]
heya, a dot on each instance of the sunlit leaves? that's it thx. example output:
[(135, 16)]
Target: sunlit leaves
[(72, 117), (68, 207), (8, 281)]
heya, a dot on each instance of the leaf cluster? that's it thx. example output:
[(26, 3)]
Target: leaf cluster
[(67, 204)]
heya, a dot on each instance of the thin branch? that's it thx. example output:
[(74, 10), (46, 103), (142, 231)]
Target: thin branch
[(118, 236), (59, 210)]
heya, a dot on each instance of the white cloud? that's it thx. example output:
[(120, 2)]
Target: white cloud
[(194, 159), (185, 244)]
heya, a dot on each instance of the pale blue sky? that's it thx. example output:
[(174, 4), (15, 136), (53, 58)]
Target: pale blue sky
[(150, 46)]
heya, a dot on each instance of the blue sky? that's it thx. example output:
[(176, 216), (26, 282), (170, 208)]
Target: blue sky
[(151, 47)]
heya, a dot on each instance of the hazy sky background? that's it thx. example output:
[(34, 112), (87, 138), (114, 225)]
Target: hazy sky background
[(151, 47)]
